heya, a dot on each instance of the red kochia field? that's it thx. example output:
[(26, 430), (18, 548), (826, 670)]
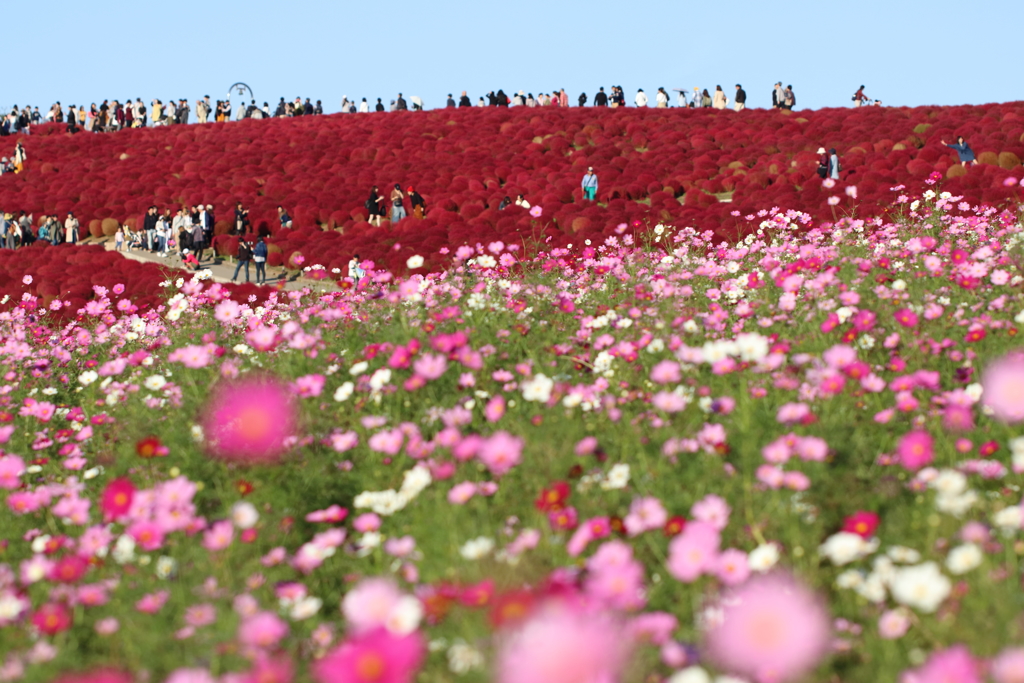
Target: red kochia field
[(655, 166)]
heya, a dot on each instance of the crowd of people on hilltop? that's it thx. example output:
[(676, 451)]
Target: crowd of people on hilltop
[(113, 115)]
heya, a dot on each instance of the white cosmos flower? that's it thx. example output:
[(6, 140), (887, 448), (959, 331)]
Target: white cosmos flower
[(921, 586), (244, 515), (414, 262), (154, 382), (844, 547), (343, 392), (964, 558), (763, 557), (538, 388), (477, 548)]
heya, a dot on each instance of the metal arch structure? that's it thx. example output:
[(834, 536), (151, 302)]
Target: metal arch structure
[(240, 89)]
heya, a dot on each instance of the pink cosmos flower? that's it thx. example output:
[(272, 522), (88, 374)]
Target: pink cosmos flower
[(148, 535), (645, 514), (1003, 387), (387, 441), (666, 372), (152, 603), (772, 629), (1008, 666), (248, 420), (693, 552), (462, 492), (894, 623), (915, 450), (495, 408), (732, 567), (952, 664), (668, 401), (11, 469), (501, 452), (369, 604), (430, 366), (713, 510), (200, 615), (191, 675), (262, 630), (219, 536), (309, 385), (374, 657), (561, 645), (368, 521)]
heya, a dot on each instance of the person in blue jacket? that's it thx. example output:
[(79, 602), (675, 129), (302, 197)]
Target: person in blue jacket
[(589, 184), (964, 151)]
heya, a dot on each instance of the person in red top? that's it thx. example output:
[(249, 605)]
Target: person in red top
[(190, 259)]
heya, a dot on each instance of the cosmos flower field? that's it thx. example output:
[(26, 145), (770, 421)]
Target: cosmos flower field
[(656, 456)]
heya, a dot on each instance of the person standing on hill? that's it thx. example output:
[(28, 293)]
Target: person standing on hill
[(963, 151), (640, 99), (149, 227), (419, 207), (859, 98), (661, 99), (244, 256), (259, 257), (19, 157), (397, 205), (464, 100), (788, 98), (71, 229), (719, 102), (740, 102), (589, 184), (777, 96), (822, 163), (373, 207), (582, 99), (601, 99), (450, 104), (833, 164), (563, 98)]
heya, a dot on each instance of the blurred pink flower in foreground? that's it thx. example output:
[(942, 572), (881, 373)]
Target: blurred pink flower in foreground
[(563, 645), (953, 664), (248, 420), (772, 629), (1003, 387)]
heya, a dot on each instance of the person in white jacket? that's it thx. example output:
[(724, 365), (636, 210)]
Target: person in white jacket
[(641, 98), (661, 98)]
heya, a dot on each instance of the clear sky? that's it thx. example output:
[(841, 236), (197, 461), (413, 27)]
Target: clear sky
[(907, 52)]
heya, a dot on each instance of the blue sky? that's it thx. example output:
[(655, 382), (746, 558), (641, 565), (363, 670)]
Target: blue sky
[(907, 52)]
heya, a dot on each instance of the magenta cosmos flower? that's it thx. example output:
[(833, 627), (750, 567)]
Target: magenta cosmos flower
[(1003, 387), (248, 420), (375, 657), (773, 629)]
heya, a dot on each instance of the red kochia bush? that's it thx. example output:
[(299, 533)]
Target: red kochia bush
[(465, 161)]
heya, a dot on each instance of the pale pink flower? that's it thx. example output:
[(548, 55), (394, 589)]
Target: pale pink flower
[(563, 645), (771, 629), (262, 630), (501, 452)]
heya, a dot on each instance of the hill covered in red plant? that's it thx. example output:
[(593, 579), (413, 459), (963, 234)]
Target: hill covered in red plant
[(671, 166)]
